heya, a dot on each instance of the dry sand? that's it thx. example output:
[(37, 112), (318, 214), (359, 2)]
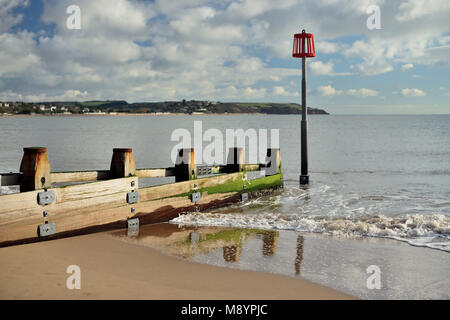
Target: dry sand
[(114, 269)]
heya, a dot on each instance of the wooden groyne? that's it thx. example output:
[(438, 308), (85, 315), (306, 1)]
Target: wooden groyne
[(56, 204)]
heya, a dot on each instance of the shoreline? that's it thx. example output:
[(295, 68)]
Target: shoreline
[(115, 269), (146, 114)]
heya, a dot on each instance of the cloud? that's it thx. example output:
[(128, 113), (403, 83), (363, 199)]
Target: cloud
[(199, 49), (321, 68), (68, 95), (327, 91), (412, 92), (363, 92), (8, 18), (326, 47), (413, 9), (406, 67), (254, 93), (280, 91)]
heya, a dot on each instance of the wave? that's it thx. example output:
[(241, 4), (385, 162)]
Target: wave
[(431, 231)]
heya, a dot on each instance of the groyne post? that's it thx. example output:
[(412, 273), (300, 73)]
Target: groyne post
[(122, 163), (235, 160), (185, 167), (35, 169), (273, 161)]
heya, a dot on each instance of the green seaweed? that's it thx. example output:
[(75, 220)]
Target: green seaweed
[(237, 185)]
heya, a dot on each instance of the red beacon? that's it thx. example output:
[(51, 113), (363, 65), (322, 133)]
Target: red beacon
[(303, 45), (304, 48)]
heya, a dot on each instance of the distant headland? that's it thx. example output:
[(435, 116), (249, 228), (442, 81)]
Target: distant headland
[(167, 107)]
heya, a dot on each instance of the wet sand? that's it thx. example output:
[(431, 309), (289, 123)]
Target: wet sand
[(115, 269)]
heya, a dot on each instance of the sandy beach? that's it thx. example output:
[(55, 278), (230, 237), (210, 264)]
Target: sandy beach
[(114, 269)]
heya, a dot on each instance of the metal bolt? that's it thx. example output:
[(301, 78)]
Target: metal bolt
[(45, 213), (133, 210), (43, 180), (132, 183)]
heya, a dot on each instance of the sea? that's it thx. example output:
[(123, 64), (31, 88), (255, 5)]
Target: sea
[(372, 177)]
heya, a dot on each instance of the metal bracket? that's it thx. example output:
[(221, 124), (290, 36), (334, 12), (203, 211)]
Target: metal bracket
[(194, 237), (47, 229), (132, 197), (195, 197), (244, 197), (133, 223), (133, 227), (46, 197), (204, 171)]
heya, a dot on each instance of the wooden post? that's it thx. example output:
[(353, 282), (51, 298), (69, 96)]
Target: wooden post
[(235, 160), (122, 163), (273, 162), (35, 169), (270, 243), (232, 253), (185, 168)]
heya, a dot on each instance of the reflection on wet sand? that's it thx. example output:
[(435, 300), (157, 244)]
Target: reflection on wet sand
[(188, 241), (270, 242), (299, 257), (333, 261), (232, 253)]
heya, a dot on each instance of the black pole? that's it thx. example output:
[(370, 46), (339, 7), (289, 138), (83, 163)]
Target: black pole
[(304, 177)]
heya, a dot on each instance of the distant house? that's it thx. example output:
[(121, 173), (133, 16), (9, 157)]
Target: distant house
[(53, 108), (42, 107), (86, 110)]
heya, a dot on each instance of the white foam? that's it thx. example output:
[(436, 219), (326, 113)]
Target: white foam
[(431, 231)]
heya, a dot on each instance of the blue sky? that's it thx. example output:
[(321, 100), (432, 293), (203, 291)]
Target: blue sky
[(232, 50)]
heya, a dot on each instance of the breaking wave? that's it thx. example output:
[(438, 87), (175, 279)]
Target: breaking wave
[(425, 230)]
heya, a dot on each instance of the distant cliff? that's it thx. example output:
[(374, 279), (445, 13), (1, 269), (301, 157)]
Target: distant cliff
[(199, 107), (186, 107)]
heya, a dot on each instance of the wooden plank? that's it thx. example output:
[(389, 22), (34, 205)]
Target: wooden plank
[(252, 167), (81, 220), (168, 190), (10, 179), (79, 176), (153, 173), (96, 189), (93, 204), (20, 214), (88, 218)]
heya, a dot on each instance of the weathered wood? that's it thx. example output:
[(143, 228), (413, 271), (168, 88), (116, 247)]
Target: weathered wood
[(122, 163), (10, 179), (185, 167), (155, 173), (273, 162), (35, 169), (79, 176), (169, 190), (20, 214), (235, 160)]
